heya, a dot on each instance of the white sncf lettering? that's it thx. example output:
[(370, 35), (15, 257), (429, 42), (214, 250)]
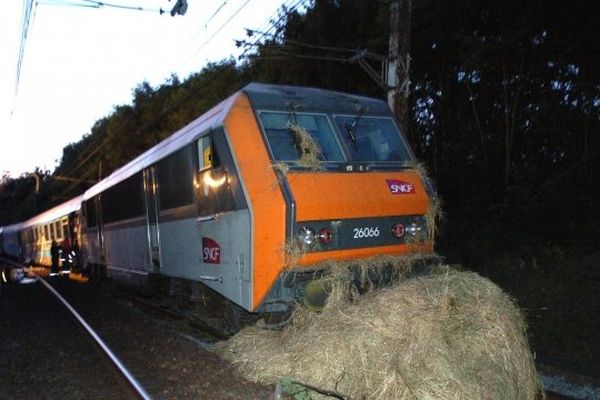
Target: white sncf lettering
[(211, 254), (402, 188), (211, 251)]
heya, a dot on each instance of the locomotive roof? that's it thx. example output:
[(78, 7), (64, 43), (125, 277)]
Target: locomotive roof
[(262, 96), (56, 212), (287, 98)]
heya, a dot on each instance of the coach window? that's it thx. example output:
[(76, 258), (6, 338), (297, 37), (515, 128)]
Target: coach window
[(90, 213), (58, 230), (65, 228), (212, 184), (176, 177), (124, 200)]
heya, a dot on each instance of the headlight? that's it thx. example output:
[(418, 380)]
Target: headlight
[(412, 229), (307, 235)]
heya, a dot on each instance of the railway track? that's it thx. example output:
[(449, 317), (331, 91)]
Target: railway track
[(41, 334), (128, 382)]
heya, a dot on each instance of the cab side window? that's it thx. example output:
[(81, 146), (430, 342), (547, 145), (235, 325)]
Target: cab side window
[(212, 182)]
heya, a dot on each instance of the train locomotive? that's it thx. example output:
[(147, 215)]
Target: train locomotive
[(221, 200)]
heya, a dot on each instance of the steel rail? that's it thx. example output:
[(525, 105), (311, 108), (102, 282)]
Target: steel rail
[(133, 383)]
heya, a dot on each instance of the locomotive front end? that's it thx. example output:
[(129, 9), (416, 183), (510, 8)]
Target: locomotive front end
[(334, 183)]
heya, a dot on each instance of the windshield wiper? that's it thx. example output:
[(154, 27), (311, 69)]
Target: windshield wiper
[(350, 128)]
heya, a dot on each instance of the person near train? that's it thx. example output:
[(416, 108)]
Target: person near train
[(55, 255)]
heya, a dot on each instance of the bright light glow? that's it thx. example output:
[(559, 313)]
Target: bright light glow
[(4, 277), (307, 235), (214, 183)]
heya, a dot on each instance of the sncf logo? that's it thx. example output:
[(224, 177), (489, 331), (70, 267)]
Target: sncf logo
[(211, 251), (400, 187)]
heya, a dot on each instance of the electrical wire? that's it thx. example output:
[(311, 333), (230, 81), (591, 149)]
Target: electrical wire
[(279, 51), (215, 13), (218, 30), (25, 23), (274, 24), (100, 4), (312, 46)]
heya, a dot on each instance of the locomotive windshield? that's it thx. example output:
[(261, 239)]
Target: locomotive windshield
[(284, 143), (360, 138), (372, 139)]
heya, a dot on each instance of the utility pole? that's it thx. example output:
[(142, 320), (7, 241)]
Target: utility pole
[(398, 71)]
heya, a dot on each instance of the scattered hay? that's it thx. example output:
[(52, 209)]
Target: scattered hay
[(432, 216), (434, 211), (453, 335), (310, 152), (293, 250)]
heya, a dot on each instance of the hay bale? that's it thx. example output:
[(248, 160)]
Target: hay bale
[(454, 335)]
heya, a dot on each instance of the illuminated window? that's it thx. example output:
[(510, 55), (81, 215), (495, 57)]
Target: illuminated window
[(205, 153)]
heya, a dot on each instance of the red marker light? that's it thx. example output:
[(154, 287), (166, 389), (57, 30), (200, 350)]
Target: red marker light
[(398, 230), (325, 236)]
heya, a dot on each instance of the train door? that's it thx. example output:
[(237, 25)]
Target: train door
[(223, 223), (151, 202), (100, 223), (92, 238)]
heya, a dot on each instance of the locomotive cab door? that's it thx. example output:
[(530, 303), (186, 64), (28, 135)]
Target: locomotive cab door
[(223, 222), (151, 202)]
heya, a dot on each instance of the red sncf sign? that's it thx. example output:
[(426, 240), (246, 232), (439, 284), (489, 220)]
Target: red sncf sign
[(400, 187), (211, 251)]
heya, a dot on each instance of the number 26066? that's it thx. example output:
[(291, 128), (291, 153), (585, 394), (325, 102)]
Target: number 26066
[(366, 232)]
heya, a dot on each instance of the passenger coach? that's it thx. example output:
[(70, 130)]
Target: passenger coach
[(222, 199)]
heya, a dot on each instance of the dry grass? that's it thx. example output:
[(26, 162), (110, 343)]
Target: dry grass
[(453, 335), (434, 211), (293, 250), (310, 152)]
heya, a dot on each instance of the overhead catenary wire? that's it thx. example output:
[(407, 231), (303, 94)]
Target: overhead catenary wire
[(282, 52), (25, 24), (215, 13), (303, 44), (218, 30), (100, 4), (290, 6)]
